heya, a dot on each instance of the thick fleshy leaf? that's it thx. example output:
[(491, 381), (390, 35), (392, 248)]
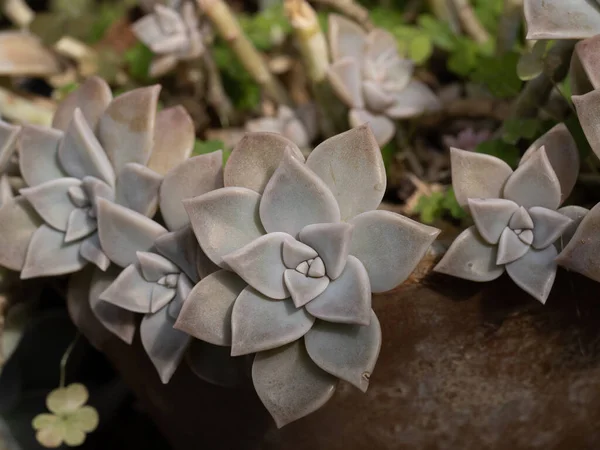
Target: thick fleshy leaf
[(346, 80), (380, 46), (520, 220), (584, 73), (49, 255), (382, 127), (38, 154), (137, 189), (18, 222), (476, 175), (535, 272), (471, 258), (174, 137), (164, 344), (332, 243), (296, 197), (51, 201), (96, 190), (534, 183), (415, 99), (260, 264), (79, 225), (561, 150), (191, 178), (255, 158), (6, 192), (80, 154), (214, 364), (118, 321), (92, 97), (491, 216), (562, 19), (389, 246), (582, 254), (317, 268), (130, 291), (576, 214), (124, 232), (224, 221), (295, 252), (126, 129), (510, 247), (351, 166), (161, 65), (548, 226), (8, 143), (206, 314), (348, 352), (588, 111), (259, 323), (346, 38), (154, 266), (91, 250), (290, 384), (376, 98), (346, 299), (163, 31), (303, 288)]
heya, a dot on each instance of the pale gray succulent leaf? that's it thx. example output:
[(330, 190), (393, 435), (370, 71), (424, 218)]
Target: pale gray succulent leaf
[(6, 191), (332, 243), (8, 143), (38, 154), (347, 299), (191, 178), (548, 226), (290, 384), (163, 31), (126, 129), (346, 38), (562, 19), (95, 190), (80, 153), (348, 352), (255, 158), (476, 175), (302, 287), (415, 99), (124, 232), (376, 98), (260, 323), (535, 272), (214, 364), (162, 64), (471, 257), (91, 250), (174, 138), (52, 202), (352, 167), (182, 248), (382, 127), (584, 72), (80, 225), (260, 264), (521, 219), (345, 79), (155, 266), (225, 220), (534, 183), (492, 216), (49, 255), (130, 291), (295, 252), (510, 247), (588, 109), (206, 314), (18, 222), (389, 246), (137, 189), (164, 344), (576, 214), (295, 197)]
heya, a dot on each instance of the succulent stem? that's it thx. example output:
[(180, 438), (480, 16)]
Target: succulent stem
[(469, 21), (510, 23), (352, 9), (229, 28)]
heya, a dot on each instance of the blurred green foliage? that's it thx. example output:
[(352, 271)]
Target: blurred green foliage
[(202, 147), (437, 205)]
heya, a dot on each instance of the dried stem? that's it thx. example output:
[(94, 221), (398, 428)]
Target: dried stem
[(444, 11), (351, 9), (65, 359), (18, 12), (36, 111), (510, 23), (229, 28), (216, 94), (470, 22)]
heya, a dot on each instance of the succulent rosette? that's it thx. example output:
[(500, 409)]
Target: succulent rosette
[(300, 250), (516, 222), (298, 126), (161, 265), (562, 19), (172, 33), (8, 158), (376, 83)]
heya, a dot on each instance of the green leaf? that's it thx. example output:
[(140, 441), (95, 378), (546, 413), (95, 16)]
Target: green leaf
[(420, 49), (387, 153), (429, 207), (450, 204), (500, 149), (138, 59), (239, 85), (499, 75), (267, 27), (203, 147), (521, 128), (531, 63)]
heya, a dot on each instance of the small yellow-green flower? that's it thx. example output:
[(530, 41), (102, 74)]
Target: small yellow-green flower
[(70, 419)]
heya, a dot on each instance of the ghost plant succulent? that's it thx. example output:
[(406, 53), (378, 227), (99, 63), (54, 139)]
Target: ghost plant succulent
[(299, 127), (172, 33), (375, 82), (8, 158), (160, 266), (300, 250), (516, 222), (562, 19)]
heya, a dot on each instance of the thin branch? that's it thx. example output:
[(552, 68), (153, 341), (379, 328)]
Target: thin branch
[(470, 22), (18, 12), (230, 30), (510, 23), (352, 9), (65, 359), (216, 94)]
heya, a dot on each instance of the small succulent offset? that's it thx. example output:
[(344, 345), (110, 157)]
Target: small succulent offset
[(562, 19), (70, 420), (8, 158), (370, 76), (516, 222), (160, 267), (300, 251), (299, 127), (173, 33)]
